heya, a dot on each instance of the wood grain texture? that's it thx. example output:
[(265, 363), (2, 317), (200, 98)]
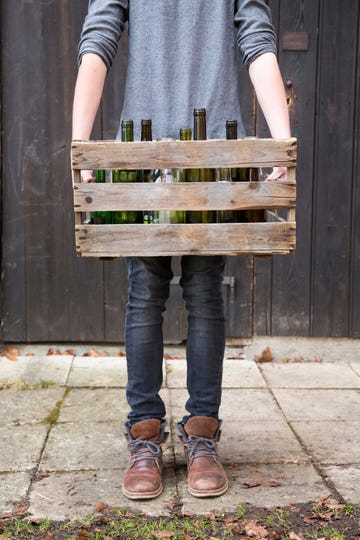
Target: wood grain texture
[(205, 239), (183, 154)]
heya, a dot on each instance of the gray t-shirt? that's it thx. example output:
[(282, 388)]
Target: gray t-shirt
[(182, 55)]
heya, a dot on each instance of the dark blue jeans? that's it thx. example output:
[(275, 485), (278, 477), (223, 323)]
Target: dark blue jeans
[(149, 284)]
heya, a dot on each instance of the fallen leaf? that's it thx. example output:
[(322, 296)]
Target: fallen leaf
[(11, 353), (83, 535), (254, 530), (247, 485), (274, 484), (293, 536), (55, 352), (92, 352), (70, 352), (323, 499), (100, 506), (160, 535), (120, 354), (266, 356)]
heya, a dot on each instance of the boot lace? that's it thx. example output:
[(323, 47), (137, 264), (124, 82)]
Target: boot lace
[(201, 447), (140, 450)]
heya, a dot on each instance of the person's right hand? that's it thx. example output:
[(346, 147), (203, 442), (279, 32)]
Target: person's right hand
[(87, 176)]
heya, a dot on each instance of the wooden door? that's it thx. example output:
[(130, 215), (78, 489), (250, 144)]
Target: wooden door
[(48, 294)]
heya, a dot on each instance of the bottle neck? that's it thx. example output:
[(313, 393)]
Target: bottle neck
[(146, 130), (127, 131), (185, 134), (231, 129), (199, 124)]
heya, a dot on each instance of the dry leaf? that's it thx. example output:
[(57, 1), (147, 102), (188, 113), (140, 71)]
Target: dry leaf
[(11, 353), (293, 536), (100, 506), (274, 484), (254, 530), (70, 352), (161, 535), (266, 356), (120, 354), (92, 352), (247, 485), (323, 499), (55, 352)]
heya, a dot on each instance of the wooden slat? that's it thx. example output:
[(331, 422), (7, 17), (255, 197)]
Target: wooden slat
[(184, 196), (205, 239), (181, 154)]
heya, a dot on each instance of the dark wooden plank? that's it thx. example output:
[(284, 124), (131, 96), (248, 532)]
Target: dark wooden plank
[(263, 266), (85, 278), (291, 281), (13, 210), (355, 226), (333, 168)]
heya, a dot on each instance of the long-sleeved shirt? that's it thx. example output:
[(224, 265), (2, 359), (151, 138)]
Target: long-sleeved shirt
[(182, 55)]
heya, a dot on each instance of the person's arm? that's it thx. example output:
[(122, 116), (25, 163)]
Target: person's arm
[(269, 88), (87, 96)]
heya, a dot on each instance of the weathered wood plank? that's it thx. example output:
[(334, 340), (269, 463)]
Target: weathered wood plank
[(190, 154), (204, 239), (333, 162), (184, 196)]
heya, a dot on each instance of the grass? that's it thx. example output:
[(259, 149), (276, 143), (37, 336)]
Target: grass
[(246, 522)]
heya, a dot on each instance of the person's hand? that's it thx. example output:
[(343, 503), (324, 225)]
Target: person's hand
[(278, 173), (87, 176)]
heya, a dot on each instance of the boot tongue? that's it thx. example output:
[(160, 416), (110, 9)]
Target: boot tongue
[(146, 430), (201, 426)]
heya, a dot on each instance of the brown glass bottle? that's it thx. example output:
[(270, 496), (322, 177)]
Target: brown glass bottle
[(201, 175)]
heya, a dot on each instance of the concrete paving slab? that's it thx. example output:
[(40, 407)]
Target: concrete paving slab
[(13, 489), (255, 442), (27, 406), (356, 367), (69, 495), (98, 405), (346, 481), (237, 405), (237, 374), (98, 371), (83, 446), (94, 405), (260, 485), (21, 446), (318, 404), (36, 369), (309, 349), (333, 443), (310, 375)]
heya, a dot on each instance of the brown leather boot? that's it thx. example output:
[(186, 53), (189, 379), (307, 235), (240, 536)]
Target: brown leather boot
[(206, 475), (142, 478)]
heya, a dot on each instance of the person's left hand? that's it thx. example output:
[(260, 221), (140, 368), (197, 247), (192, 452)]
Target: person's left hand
[(278, 173)]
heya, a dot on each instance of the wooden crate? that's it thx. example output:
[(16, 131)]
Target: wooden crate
[(276, 235)]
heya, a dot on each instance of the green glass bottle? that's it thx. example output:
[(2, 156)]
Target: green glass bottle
[(201, 175), (126, 216), (228, 174), (146, 135), (100, 217), (181, 175)]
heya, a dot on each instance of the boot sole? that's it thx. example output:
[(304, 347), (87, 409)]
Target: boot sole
[(134, 495), (210, 493)]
